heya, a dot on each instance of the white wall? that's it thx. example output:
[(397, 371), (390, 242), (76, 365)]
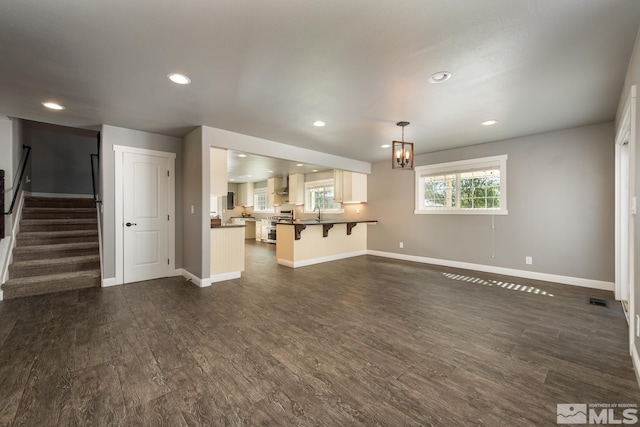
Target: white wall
[(633, 78), (6, 164)]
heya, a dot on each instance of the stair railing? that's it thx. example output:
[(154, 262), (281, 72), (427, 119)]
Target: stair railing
[(16, 187), (94, 170)]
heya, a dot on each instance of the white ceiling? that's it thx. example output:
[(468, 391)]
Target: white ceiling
[(271, 68), (254, 168)]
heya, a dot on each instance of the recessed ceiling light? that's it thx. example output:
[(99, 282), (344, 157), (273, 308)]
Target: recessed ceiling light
[(53, 105), (385, 146), (270, 171), (299, 164), (439, 77), (489, 122), (319, 123), (314, 170), (180, 79), (232, 179), (242, 155)]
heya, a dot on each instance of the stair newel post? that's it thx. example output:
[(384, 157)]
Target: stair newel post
[(2, 204)]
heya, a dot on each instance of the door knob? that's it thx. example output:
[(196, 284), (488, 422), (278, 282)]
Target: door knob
[(129, 224)]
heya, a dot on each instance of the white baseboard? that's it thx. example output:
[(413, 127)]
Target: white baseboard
[(111, 281), (225, 276), (636, 362), (203, 283), (565, 280), (59, 195), (319, 260)]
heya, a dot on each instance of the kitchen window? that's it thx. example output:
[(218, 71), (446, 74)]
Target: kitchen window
[(319, 194), (261, 200), (476, 186)]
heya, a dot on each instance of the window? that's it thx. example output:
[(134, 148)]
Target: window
[(320, 194), (476, 186), (261, 200)]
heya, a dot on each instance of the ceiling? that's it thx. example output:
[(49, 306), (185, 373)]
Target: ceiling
[(271, 68), (247, 167)]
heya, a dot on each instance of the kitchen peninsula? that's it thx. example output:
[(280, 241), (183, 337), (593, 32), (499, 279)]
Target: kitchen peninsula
[(227, 252), (301, 243)]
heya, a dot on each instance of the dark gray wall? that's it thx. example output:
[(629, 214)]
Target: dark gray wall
[(560, 201), (60, 158), (192, 189)]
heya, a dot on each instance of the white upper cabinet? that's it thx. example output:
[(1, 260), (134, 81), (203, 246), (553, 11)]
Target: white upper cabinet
[(296, 189), (273, 185), (245, 194), (349, 187)]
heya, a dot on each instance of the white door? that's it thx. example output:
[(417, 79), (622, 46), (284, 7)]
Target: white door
[(145, 215)]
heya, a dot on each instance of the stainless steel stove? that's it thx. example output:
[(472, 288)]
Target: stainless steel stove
[(270, 229)]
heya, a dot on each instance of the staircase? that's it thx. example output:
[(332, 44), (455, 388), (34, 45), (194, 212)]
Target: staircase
[(56, 248)]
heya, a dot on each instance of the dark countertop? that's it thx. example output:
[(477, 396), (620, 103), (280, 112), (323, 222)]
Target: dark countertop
[(329, 221), (246, 218), (229, 226)]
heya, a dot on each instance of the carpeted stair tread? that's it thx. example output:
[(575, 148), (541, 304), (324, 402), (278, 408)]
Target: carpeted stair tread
[(51, 278), (61, 247), (56, 210), (46, 261), (64, 233), (57, 221), (31, 202)]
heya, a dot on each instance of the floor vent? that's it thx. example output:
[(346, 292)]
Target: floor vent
[(598, 301)]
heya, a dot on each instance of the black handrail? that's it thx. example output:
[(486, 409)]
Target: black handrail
[(93, 171), (93, 174), (16, 184)]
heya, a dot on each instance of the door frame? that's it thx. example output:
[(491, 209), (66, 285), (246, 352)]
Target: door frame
[(120, 150), (625, 141)]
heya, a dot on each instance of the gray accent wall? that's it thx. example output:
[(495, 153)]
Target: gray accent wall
[(560, 202), (112, 135), (60, 158), (192, 190)]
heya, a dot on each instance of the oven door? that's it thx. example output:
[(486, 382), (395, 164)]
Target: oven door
[(271, 234)]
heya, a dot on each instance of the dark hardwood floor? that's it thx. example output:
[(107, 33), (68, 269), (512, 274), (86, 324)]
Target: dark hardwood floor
[(364, 341)]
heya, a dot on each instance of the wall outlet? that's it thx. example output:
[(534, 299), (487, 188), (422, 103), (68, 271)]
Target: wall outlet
[(638, 325), (357, 210), (401, 245), (193, 210), (528, 260)]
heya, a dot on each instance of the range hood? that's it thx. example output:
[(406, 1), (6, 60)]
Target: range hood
[(283, 190)]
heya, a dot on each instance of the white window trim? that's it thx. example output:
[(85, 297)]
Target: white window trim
[(316, 184), (261, 190), (462, 166)]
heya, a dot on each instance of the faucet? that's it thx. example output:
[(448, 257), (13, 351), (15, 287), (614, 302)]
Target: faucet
[(314, 209)]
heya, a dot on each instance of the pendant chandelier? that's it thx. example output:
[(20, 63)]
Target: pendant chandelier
[(402, 152)]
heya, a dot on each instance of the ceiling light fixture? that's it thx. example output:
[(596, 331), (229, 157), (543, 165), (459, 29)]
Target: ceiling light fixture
[(314, 170), (319, 123), (180, 79), (242, 155), (53, 105), (489, 122), (299, 164), (402, 152), (439, 77), (385, 146)]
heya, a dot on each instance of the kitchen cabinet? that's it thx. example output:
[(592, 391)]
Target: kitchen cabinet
[(349, 187), (274, 184), (296, 189), (258, 230), (245, 194)]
